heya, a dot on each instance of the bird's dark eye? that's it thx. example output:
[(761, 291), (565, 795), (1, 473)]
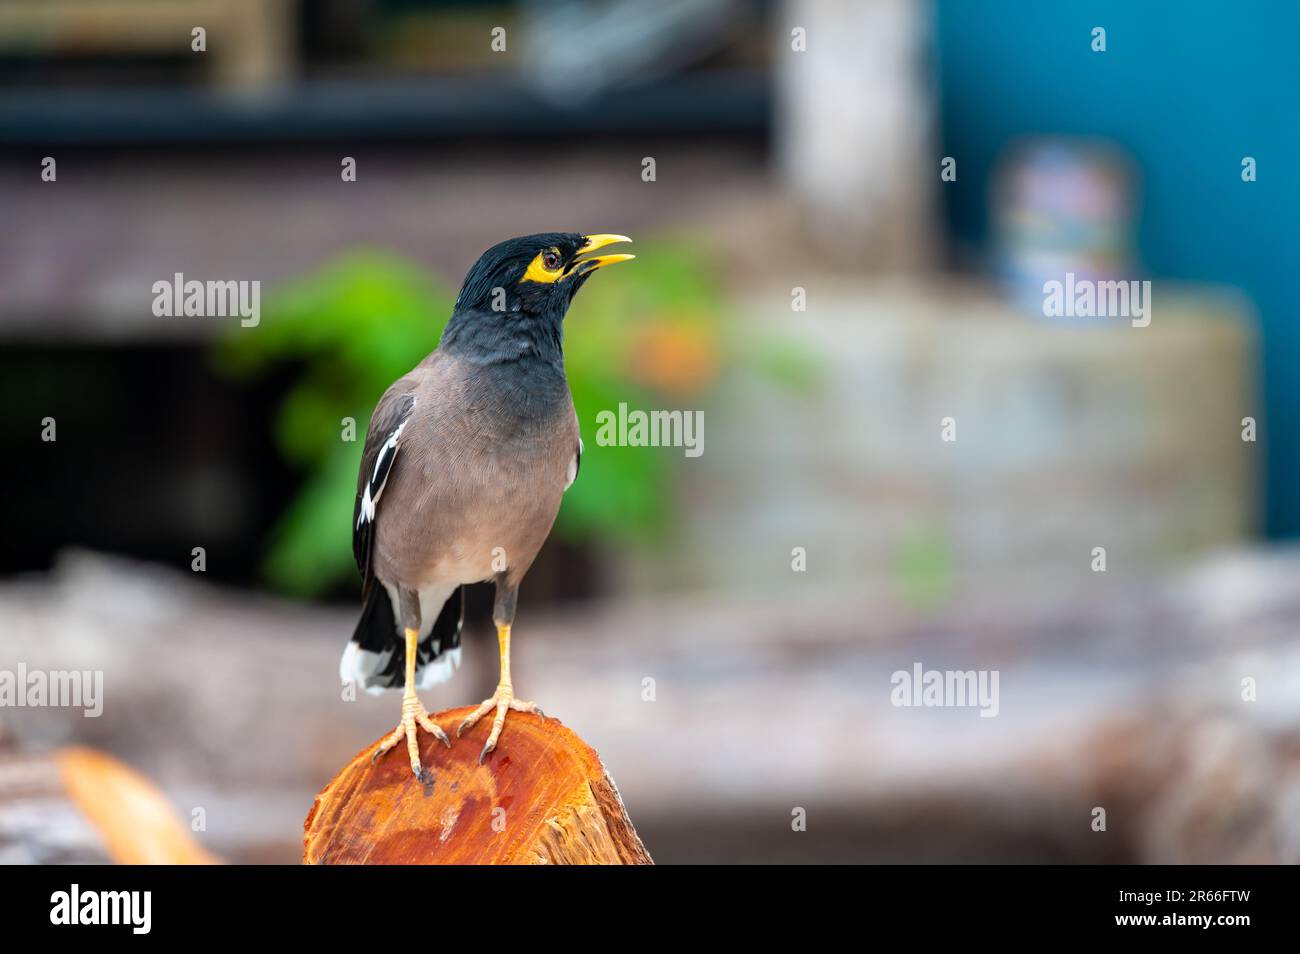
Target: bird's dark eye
[(551, 259)]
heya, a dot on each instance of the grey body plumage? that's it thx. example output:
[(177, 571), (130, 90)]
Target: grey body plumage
[(479, 477)]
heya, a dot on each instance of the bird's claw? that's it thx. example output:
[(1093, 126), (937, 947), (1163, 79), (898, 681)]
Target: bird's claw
[(413, 716), (435, 730), (503, 700)]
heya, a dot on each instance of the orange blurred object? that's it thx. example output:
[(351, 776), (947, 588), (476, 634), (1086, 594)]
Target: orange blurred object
[(675, 358), (136, 823)]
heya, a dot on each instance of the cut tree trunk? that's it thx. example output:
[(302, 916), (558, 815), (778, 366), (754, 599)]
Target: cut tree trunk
[(543, 797)]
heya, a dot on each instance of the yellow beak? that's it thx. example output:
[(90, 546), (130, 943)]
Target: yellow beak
[(593, 242)]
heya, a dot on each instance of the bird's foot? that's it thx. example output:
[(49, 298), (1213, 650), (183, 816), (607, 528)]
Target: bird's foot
[(503, 700), (413, 714)]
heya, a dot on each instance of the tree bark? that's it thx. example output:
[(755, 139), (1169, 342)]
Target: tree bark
[(543, 797)]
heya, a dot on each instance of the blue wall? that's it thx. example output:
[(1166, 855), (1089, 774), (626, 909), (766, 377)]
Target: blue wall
[(1187, 88)]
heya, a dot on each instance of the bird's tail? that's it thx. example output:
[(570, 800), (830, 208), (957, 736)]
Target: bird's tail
[(375, 658)]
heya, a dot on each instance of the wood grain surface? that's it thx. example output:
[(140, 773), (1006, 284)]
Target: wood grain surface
[(542, 797)]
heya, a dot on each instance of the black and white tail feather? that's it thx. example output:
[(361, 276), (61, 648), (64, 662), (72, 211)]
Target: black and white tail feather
[(375, 658)]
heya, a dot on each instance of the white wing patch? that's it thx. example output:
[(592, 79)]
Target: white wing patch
[(574, 464), (379, 478)]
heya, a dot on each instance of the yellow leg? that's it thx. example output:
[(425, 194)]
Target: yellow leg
[(413, 714), (502, 700)]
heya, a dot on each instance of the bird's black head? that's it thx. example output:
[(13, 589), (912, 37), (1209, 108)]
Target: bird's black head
[(514, 299), (535, 273)]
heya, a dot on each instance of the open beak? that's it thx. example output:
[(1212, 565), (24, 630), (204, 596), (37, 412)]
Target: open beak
[(584, 266)]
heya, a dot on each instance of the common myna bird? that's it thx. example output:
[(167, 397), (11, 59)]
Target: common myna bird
[(464, 465)]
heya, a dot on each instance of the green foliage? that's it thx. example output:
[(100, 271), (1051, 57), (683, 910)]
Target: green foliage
[(648, 334), (924, 568)]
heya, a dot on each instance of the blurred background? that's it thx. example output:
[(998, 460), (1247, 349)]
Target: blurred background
[(852, 212)]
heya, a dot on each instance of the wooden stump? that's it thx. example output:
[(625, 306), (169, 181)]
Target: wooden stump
[(543, 797)]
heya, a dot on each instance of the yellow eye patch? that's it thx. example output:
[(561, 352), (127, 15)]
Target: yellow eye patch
[(538, 272)]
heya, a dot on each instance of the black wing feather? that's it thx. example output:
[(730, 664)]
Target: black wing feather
[(383, 440)]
